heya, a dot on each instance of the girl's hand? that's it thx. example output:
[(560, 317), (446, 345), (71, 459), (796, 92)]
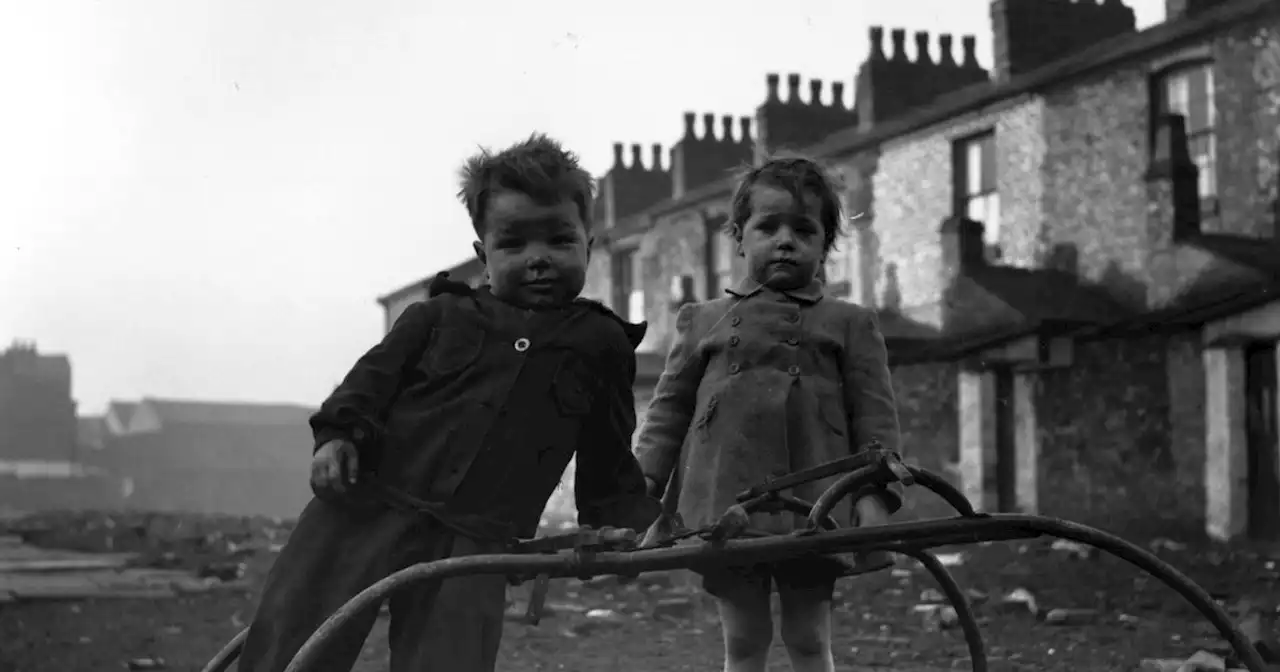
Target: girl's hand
[(871, 511)]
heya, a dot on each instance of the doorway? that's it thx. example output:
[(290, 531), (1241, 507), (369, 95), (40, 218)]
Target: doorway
[(1262, 432), (1006, 468)]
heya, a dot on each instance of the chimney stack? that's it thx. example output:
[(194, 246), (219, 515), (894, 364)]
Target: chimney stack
[(1030, 34)]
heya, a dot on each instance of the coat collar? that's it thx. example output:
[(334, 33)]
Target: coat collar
[(809, 295)]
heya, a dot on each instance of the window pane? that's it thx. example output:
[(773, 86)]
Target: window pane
[(973, 168), (975, 209), (991, 225), (635, 307), (1176, 93), (1204, 154), (988, 144)]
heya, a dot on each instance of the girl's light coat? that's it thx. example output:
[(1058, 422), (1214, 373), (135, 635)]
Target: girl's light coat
[(760, 384)]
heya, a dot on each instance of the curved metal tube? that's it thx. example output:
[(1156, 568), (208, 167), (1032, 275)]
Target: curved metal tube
[(866, 476), (964, 610), (228, 654), (900, 537)]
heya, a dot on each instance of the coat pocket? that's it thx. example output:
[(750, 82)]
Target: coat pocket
[(834, 417), (452, 349), (573, 391)]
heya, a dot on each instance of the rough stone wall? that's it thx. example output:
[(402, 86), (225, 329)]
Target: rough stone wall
[(675, 246), (927, 413), (599, 285), (1247, 90), (1096, 194), (1108, 456), (913, 195)]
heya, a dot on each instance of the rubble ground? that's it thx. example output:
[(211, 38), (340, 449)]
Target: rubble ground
[(1042, 606)]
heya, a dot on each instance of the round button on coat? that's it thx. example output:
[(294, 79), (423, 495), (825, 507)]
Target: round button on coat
[(734, 368), (793, 317), (733, 340), (794, 370), (522, 344)]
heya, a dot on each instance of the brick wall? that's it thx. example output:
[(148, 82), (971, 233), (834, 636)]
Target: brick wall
[(1247, 83), (927, 412), (913, 195), (1101, 127), (1108, 454)]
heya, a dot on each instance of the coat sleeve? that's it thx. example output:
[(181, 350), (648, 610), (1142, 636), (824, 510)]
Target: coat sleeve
[(868, 393), (671, 409), (609, 488), (354, 410)]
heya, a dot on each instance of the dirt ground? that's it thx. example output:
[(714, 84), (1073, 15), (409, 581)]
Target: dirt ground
[(657, 623)]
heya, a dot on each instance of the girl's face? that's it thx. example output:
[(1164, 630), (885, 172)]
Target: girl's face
[(782, 240)]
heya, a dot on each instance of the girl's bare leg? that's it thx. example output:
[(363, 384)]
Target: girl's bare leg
[(748, 626), (806, 627)]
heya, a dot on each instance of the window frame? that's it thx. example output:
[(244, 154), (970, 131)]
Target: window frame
[(1158, 106), (623, 282), (960, 180)]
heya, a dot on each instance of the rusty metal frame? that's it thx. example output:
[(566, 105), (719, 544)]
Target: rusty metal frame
[(912, 539)]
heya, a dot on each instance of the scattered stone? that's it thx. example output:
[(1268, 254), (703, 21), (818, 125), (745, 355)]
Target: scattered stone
[(597, 620), (950, 559), (931, 596), (1075, 548), (901, 573), (1163, 544), (938, 616), (1128, 620), (1019, 600), (1071, 616), (976, 596), (673, 607), (147, 664)]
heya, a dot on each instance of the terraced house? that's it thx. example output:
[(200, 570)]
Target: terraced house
[(1074, 255)]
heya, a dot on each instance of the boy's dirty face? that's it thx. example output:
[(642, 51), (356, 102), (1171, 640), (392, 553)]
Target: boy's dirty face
[(535, 254), (782, 240)]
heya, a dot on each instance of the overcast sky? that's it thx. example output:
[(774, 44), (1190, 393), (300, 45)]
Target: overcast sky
[(203, 198)]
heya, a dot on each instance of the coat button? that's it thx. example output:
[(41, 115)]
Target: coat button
[(734, 368), (733, 340), (794, 370), (793, 341), (793, 317), (522, 344), (735, 321)]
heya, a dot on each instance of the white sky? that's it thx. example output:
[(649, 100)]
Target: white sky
[(203, 198)]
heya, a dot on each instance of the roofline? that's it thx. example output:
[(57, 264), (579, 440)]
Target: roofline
[(978, 96), (409, 288)]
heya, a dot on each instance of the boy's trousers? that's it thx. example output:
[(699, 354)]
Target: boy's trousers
[(334, 553)]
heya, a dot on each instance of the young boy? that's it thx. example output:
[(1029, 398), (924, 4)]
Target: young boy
[(474, 402)]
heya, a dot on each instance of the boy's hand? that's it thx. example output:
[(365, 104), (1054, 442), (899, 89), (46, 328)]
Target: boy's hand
[(333, 469)]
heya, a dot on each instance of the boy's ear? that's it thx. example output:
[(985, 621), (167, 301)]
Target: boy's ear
[(479, 248)]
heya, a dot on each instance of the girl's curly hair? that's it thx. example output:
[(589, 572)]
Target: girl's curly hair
[(797, 175)]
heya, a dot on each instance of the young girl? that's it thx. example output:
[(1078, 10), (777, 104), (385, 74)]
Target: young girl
[(766, 381)]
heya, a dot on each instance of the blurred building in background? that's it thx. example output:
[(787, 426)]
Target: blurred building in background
[(1073, 255)]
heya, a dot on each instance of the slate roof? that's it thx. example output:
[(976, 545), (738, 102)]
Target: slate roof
[(184, 412)]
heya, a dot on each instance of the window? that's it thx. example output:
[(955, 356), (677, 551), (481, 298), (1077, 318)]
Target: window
[(1187, 90), (624, 284), (974, 172), (719, 258)]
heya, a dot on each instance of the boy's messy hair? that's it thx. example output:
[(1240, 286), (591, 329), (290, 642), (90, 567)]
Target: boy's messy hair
[(797, 175), (538, 167)]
